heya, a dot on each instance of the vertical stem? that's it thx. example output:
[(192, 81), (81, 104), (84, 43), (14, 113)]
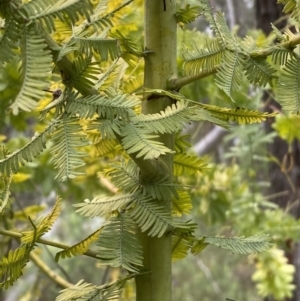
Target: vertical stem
[(160, 65)]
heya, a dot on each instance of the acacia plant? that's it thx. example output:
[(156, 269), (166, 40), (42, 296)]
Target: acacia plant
[(145, 226)]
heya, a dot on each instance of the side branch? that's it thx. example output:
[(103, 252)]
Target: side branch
[(177, 84), (269, 50), (49, 272), (48, 243)]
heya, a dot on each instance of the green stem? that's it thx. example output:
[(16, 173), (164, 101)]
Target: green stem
[(160, 67), (178, 83), (47, 242), (48, 271)]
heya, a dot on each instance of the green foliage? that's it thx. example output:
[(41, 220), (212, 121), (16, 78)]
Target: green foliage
[(181, 245), (86, 291), (188, 165), (197, 59), (187, 15), (5, 193), (70, 44), (11, 266), (119, 245), (274, 275), (291, 6), (240, 245), (240, 115), (288, 83), (43, 225), (79, 248), (44, 12), (11, 163), (287, 127), (35, 70), (67, 139)]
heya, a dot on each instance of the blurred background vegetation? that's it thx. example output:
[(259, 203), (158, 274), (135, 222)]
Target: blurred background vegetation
[(250, 185)]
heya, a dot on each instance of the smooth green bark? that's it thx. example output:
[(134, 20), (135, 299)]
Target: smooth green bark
[(160, 67)]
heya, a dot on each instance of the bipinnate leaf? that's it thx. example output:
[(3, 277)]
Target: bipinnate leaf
[(119, 245), (240, 245), (43, 225), (83, 291), (5, 193), (11, 266), (78, 248), (101, 205)]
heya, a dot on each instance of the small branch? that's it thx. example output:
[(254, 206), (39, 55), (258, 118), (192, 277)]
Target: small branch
[(107, 184), (267, 51), (150, 168), (178, 83), (48, 243), (118, 8), (209, 276), (48, 271)]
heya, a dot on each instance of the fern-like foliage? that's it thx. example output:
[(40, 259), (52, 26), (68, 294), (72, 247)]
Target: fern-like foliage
[(259, 71), (182, 204), (240, 245), (98, 20), (291, 6), (5, 193), (217, 114), (169, 121), (240, 115), (125, 175), (151, 215), (43, 225), (102, 205), (281, 55), (35, 70), (288, 91), (9, 40), (129, 48), (119, 245), (161, 189), (119, 105), (187, 14), (85, 73), (219, 26), (181, 245), (230, 74), (107, 48), (184, 164), (45, 11), (67, 140), (11, 266), (106, 148), (141, 142), (27, 153), (87, 292), (197, 59), (79, 248)]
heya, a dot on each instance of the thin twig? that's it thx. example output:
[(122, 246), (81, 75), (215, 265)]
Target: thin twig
[(48, 243), (209, 276), (48, 271)]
